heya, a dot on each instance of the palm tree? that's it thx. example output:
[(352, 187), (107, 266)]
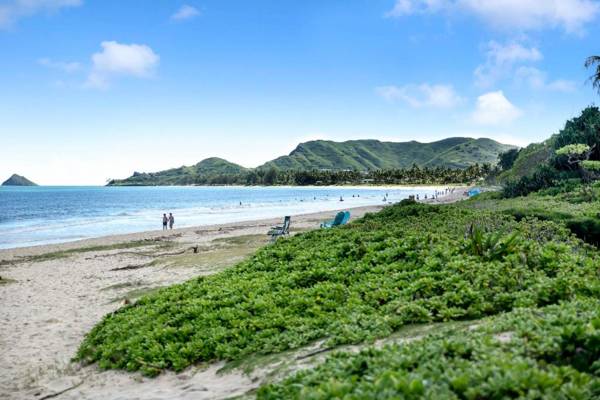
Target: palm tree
[(594, 61)]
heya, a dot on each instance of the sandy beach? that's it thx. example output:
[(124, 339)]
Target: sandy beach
[(53, 295)]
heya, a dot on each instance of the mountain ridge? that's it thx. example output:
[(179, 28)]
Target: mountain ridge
[(359, 155)]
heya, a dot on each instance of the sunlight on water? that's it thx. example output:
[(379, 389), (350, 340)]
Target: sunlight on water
[(42, 215)]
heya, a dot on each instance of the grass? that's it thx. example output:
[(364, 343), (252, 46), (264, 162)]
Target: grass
[(405, 265), (575, 206), (552, 352)]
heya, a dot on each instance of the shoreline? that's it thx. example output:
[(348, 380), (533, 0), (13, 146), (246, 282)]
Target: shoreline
[(20, 251), (53, 295), (158, 234)]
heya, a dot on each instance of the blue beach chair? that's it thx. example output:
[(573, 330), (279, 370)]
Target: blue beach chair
[(341, 218)]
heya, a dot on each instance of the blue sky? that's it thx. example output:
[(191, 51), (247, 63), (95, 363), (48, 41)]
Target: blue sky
[(95, 89)]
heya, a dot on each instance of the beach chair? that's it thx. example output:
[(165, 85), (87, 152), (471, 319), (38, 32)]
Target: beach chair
[(346, 218), (282, 230), (339, 218)]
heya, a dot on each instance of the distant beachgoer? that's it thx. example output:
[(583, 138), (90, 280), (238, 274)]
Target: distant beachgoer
[(171, 220), (341, 198), (165, 222)]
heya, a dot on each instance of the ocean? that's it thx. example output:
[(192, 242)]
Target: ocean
[(50, 214)]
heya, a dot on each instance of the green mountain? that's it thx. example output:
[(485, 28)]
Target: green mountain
[(359, 155), (201, 172), (18, 180), (372, 154)]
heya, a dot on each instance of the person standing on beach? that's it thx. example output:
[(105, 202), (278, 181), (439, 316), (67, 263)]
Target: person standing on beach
[(165, 221), (171, 220)]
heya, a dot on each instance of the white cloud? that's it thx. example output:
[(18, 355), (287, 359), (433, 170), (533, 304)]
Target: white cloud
[(12, 10), (536, 79), (118, 59), (68, 67), (424, 95), (185, 12), (408, 7), (494, 109), (501, 59), (570, 15)]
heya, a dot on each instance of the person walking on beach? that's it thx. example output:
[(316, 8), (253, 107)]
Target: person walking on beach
[(171, 220), (165, 221)]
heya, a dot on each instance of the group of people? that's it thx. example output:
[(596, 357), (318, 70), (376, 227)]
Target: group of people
[(170, 221)]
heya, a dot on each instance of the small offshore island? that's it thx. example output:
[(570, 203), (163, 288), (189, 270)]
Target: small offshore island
[(322, 162), (18, 180)]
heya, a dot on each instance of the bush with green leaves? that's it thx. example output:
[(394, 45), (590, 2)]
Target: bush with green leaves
[(406, 264), (548, 353)]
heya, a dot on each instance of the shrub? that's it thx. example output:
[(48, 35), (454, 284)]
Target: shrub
[(406, 264)]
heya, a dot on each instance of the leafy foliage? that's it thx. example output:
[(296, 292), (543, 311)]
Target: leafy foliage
[(544, 177), (408, 264), (591, 165), (272, 176), (591, 62), (549, 353), (507, 159), (579, 140), (573, 149), (569, 203)]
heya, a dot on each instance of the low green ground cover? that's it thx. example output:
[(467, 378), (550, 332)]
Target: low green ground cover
[(547, 353), (407, 264), (572, 204)]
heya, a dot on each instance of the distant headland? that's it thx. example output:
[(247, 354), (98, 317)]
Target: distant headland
[(18, 180)]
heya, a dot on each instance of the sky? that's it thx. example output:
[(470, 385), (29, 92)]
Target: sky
[(96, 89)]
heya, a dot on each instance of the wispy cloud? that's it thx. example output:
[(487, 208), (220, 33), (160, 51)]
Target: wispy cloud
[(185, 12), (500, 61), (68, 67), (13, 10), (537, 79), (423, 95), (117, 59), (570, 15), (494, 108)]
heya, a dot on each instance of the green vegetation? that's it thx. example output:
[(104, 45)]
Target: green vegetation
[(18, 180), (454, 160), (558, 159), (594, 62), (570, 204), (368, 155), (407, 264), (210, 171), (411, 176), (517, 271), (552, 352)]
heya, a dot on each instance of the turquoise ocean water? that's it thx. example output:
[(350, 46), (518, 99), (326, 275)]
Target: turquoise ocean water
[(48, 214)]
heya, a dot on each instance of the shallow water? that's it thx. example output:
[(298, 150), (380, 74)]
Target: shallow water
[(51, 214)]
